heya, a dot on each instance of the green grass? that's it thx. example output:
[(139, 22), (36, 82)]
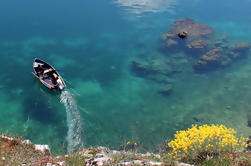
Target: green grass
[(75, 159), (124, 157)]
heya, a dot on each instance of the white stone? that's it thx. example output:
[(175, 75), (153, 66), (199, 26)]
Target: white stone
[(115, 152), (43, 148), (126, 163), (102, 160), (7, 137), (155, 163), (103, 150), (148, 154), (157, 155), (137, 162), (26, 142), (99, 155), (48, 164), (61, 163), (184, 164)]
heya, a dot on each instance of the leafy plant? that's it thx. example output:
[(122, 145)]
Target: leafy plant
[(75, 159), (199, 143)]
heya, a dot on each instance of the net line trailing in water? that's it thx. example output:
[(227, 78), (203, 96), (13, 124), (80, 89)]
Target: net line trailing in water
[(74, 137)]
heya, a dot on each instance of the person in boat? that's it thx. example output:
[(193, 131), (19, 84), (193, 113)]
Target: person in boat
[(55, 75), (40, 70), (60, 83)]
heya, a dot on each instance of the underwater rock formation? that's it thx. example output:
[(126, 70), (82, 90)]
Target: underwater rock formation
[(239, 50), (210, 52), (197, 35), (249, 119), (219, 58), (195, 29), (188, 46), (156, 70), (240, 47), (197, 46), (166, 90), (210, 60)]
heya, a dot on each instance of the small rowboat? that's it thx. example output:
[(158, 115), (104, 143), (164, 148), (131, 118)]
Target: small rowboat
[(47, 75)]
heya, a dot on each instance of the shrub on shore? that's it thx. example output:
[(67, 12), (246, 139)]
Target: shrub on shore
[(207, 142)]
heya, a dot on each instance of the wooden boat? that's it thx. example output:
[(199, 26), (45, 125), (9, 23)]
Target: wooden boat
[(48, 75)]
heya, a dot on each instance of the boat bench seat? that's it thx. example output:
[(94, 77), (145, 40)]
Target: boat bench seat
[(48, 81), (47, 71)]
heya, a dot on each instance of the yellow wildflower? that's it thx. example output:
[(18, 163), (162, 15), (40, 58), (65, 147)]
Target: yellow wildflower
[(205, 138)]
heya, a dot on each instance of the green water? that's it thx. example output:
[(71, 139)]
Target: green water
[(94, 43)]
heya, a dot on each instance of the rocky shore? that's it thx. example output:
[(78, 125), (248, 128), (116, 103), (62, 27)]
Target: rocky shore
[(18, 152), (15, 151)]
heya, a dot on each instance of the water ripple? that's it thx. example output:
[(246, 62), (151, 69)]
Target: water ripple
[(141, 6)]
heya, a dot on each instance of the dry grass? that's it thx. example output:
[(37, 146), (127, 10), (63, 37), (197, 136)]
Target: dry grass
[(14, 152)]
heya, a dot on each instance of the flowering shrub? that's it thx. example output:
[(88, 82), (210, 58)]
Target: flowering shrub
[(205, 140)]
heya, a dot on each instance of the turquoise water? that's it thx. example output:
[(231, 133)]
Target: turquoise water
[(94, 42)]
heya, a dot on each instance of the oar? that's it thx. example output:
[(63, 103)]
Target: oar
[(35, 75)]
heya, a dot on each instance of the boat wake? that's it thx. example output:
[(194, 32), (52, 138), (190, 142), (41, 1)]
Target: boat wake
[(75, 131)]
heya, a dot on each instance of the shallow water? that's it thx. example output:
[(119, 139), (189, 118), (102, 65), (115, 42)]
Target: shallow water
[(94, 42)]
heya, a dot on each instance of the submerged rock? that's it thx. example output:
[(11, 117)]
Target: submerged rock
[(239, 50), (210, 52), (155, 70), (197, 34), (249, 119), (166, 90), (241, 47), (194, 28), (210, 60), (197, 46), (183, 35)]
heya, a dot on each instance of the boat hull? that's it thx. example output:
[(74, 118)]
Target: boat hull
[(47, 75)]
